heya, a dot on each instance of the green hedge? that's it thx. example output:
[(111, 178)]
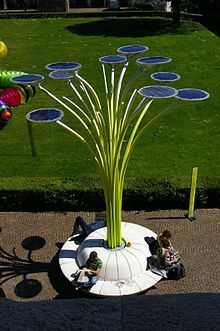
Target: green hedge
[(107, 13), (145, 194), (104, 14), (213, 15)]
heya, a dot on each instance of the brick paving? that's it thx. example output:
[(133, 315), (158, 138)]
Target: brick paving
[(30, 243)]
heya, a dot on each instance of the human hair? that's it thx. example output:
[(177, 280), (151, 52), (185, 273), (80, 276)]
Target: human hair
[(93, 255), (165, 243), (166, 234)]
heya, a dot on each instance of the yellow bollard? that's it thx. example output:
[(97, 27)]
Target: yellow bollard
[(192, 194), (3, 50)]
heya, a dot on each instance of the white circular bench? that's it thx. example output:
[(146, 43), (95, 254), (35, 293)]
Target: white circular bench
[(124, 269)]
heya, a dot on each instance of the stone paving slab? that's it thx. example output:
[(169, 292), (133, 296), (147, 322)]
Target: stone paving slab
[(30, 243)]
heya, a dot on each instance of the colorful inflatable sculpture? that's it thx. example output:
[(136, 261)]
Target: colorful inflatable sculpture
[(11, 94)]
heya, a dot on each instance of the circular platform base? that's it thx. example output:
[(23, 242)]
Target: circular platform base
[(124, 269)]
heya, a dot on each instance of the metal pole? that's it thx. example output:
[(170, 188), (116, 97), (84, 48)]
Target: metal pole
[(192, 194)]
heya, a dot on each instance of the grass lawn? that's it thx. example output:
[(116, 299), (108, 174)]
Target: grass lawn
[(187, 137)]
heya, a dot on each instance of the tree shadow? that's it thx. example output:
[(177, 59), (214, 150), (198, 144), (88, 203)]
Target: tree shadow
[(28, 288), (63, 287), (11, 266), (211, 25), (168, 218), (131, 27)]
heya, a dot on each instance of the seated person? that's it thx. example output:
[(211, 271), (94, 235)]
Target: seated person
[(91, 269), (156, 243), (167, 258), (84, 229)]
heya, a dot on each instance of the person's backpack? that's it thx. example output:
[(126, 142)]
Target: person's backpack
[(177, 273)]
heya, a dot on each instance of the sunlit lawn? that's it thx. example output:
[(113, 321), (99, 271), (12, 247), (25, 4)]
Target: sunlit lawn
[(187, 137)]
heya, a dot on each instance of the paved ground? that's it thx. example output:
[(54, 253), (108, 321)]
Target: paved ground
[(30, 272), (36, 258)]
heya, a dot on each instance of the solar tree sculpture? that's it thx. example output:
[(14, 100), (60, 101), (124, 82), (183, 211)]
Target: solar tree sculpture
[(109, 135)]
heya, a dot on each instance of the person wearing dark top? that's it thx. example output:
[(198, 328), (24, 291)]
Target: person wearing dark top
[(83, 229)]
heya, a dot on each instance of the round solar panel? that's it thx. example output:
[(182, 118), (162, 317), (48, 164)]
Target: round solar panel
[(153, 60), (132, 49), (113, 59), (192, 94), (27, 79), (157, 92), (63, 66), (61, 74), (45, 115), (165, 76)]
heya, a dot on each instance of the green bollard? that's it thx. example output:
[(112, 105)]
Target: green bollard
[(192, 194)]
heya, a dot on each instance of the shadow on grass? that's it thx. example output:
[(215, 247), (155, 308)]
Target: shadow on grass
[(132, 27), (211, 25)]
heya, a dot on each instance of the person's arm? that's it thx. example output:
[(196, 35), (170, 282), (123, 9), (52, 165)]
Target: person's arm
[(173, 261), (169, 260), (94, 272)]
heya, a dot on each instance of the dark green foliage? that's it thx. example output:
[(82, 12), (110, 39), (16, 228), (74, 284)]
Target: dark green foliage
[(139, 194), (51, 5), (208, 6)]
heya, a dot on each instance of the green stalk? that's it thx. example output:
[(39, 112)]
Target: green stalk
[(105, 137)]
